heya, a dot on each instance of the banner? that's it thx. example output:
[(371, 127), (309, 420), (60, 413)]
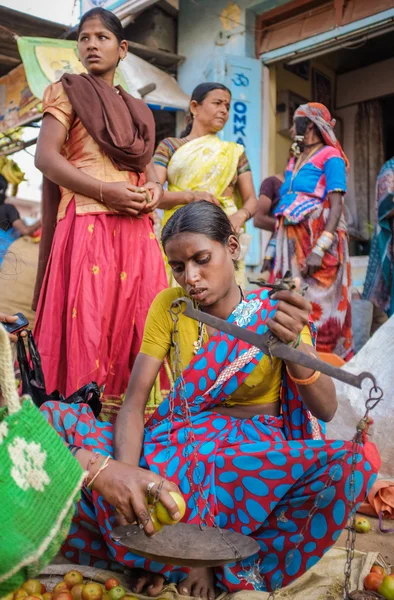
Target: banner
[(18, 105), (46, 60)]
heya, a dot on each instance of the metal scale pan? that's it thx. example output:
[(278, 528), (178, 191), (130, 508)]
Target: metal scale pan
[(187, 545)]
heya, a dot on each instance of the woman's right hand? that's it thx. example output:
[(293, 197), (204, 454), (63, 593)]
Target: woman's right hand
[(197, 195), (125, 198), (125, 487)]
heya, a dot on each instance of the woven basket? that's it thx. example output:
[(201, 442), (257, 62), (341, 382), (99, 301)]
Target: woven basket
[(40, 480)]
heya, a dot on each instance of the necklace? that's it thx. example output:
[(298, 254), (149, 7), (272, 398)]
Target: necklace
[(202, 330)]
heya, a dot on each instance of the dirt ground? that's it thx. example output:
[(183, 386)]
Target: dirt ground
[(374, 541)]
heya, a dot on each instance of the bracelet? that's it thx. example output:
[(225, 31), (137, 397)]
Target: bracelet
[(158, 183), (317, 250), (101, 192), (297, 342), (103, 466), (308, 381), (329, 234), (249, 216), (74, 449)]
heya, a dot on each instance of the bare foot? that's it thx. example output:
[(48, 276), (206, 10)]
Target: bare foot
[(145, 581), (200, 583)]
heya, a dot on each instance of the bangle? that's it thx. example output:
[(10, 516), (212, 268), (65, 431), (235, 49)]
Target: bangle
[(101, 192), (297, 342), (329, 234), (318, 250), (248, 215), (74, 449), (103, 466), (308, 381), (158, 183)]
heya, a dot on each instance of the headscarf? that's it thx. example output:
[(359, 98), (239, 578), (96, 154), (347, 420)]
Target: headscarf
[(321, 117)]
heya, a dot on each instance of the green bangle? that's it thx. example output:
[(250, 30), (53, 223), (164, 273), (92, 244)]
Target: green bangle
[(298, 342)]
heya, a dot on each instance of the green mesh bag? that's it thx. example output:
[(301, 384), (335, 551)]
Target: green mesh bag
[(39, 482)]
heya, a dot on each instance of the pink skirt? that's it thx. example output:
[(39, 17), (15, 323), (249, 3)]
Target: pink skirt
[(102, 276)]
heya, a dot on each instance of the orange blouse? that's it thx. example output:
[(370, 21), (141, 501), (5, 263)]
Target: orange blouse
[(81, 150)]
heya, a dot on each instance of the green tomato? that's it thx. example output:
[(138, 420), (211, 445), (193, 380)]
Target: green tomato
[(386, 588), (117, 593), (362, 525)]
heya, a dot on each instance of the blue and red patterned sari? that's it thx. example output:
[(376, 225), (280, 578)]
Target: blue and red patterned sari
[(259, 476)]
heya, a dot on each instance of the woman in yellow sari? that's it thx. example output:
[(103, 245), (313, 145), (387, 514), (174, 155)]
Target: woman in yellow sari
[(200, 166)]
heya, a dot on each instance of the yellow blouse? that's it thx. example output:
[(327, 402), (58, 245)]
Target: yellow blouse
[(82, 151), (262, 386)]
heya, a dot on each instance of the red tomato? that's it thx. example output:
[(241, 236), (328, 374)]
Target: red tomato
[(60, 587), (373, 581), (386, 588), (378, 569), (110, 583), (43, 589), (62, 595)]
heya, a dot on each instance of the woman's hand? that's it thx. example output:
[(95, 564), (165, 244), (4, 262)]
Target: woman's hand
[(313, 264), (197, 195), (11, 319), (125, 198), (238, 220), (125, 487), (155, 193), (291, 316)]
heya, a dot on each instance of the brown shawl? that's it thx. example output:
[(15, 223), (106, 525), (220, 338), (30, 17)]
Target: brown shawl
[(121, 125)]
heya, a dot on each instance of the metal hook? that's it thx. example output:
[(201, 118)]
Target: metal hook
[(373, 401)]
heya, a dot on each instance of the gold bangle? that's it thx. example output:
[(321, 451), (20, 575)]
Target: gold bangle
[(308, 381), (104, 464), (101, 192), (249, 216)]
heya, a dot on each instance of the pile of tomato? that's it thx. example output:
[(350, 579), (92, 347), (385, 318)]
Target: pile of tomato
[(73, 587), (379, 581)]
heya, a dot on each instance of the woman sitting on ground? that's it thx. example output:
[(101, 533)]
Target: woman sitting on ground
[(257, 428)]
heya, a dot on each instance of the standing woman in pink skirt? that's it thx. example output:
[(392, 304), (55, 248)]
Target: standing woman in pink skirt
[(100, 264)]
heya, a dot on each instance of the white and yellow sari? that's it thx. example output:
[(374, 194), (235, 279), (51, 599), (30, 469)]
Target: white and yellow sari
[(206, 164)]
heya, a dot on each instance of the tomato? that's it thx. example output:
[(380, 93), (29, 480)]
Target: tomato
[(76, 591), (373, 581), (378, 569), (19, 594), (43, 589), (60, 587), (92, 591), (386, 588), (47, 596), (62, 595), (117, 593), (72, 578), (110, 583), (32, 587), (34, 597), (162, 512)]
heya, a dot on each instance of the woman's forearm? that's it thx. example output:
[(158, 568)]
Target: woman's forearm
[(128, 436), (320, 396), (172, 199), (335, 212), (264, 222), (60, 171), (250, 204)]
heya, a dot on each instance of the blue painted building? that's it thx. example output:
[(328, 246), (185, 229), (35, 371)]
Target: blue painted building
[(275, 54)]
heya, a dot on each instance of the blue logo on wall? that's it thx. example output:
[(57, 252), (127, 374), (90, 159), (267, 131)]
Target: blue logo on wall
[(240, 122), (240, 80)]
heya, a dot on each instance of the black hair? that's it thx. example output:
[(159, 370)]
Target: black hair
[(199, 94), (200, 217), (108, 19), (301, 124), (3, 188)]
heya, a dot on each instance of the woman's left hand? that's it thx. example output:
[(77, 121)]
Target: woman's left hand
[(237, 220), (313, 264), (291, 316), (155, 191)]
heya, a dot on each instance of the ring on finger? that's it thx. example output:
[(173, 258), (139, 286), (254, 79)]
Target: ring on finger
[(150, 487)]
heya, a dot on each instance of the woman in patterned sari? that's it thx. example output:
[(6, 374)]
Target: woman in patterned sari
[(200, 166), (311, 234), (260, 460)]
